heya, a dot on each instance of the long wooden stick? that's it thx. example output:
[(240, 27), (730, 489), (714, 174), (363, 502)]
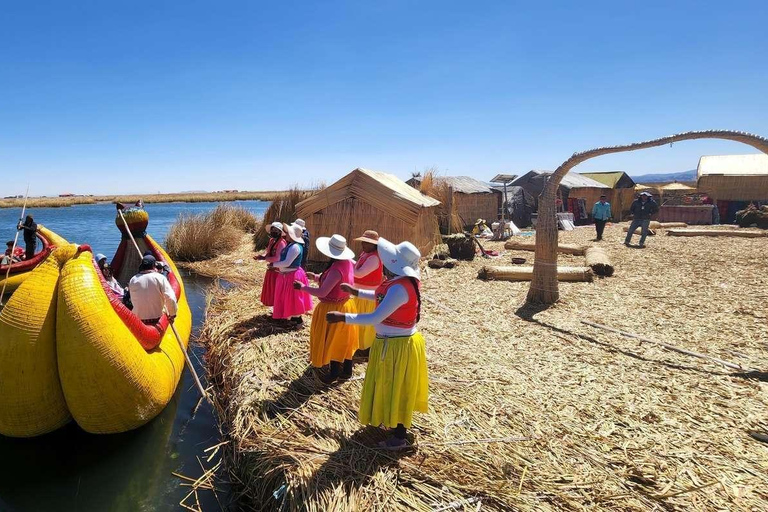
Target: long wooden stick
[(130, 235), (669, 347), (13, 249)]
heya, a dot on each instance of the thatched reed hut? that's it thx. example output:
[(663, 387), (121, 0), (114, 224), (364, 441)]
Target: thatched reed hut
[(472, 198), (733, 181), (622, 190), (577, 193), (365, 199)]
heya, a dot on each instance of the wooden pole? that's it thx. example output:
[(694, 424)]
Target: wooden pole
[(130, 235), (13, 248), (669, 347)]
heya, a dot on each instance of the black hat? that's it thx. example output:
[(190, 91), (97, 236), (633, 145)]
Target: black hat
[(147, 262), (9, 243)]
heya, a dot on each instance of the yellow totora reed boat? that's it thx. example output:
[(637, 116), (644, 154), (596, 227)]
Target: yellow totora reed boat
[(69, 348), (18, 272)]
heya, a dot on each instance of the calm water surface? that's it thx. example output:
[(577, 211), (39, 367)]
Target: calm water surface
[(72, 470)]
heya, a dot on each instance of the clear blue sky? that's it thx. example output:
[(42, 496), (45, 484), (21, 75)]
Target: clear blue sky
[(172, 96)]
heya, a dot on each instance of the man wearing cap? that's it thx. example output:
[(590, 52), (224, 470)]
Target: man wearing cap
[(151, 292), (30, 236), (306, 237), (642, 209), (369, 274), (601, 213)]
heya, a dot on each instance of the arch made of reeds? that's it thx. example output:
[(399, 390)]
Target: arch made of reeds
[(544, 285)]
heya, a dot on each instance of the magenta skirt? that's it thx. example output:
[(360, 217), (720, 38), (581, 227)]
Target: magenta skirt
[(290, 302), (268, 288)]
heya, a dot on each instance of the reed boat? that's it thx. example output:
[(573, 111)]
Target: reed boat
[(69, 348), (18, 272)]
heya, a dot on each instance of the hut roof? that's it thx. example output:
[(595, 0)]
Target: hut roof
[(569, 181), (465, 184), (612, 179), (380, 189), (734, 165)]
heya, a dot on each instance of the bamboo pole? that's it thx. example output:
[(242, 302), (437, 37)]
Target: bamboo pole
[(669, 347), (13, 248), (170, 321)]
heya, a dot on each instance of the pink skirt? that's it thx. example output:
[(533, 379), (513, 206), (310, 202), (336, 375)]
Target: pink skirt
[(268, 288), (290, 302)]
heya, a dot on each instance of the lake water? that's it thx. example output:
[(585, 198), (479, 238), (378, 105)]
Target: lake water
[(72, 470)]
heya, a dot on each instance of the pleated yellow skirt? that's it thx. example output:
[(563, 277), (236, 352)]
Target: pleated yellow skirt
[(331, 342), (366, 333), (396, 382)]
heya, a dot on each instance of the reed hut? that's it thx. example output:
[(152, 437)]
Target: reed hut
[(365, 199), (472, 199), (622, 190), (577, 193), (734, 181)]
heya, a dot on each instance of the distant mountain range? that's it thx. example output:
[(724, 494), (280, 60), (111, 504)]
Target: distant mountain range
[(670, 176)]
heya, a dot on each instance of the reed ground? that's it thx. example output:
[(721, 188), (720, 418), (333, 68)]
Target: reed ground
[(530, 409)]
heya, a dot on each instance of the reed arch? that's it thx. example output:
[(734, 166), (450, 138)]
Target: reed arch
[(544, 285)]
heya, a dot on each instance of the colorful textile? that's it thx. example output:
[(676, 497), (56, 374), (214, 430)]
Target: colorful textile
[(332, 342), (396, 382), (366, 333), (290, 302)]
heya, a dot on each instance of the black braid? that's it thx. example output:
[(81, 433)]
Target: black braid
[(415, 283)]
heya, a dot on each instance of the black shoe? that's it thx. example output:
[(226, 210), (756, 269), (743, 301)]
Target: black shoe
[(346, 372), (297, 320), (333, 374)]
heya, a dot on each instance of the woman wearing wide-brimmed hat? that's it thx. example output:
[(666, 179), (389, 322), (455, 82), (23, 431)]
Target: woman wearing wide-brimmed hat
[(369, 274), (272, 254), (289, 302), (396, 380), (332, 344)]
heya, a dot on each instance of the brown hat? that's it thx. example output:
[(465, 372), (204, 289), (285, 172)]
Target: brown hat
[(370, 236)]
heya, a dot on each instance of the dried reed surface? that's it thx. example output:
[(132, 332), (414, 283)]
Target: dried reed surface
[(200, 197), (530, 410), (206, 235), (282, 209)]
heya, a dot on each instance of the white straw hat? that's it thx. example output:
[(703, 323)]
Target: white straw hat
[(301, 223), (294, 232), (277, 225), (401, 259), (334, 247)]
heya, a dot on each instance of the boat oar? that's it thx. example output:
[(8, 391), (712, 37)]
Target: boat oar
[(13, 249), (130, 235), (165, 311), (186, 356)]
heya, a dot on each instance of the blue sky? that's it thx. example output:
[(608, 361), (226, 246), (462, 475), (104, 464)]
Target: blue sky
[(173, 96)]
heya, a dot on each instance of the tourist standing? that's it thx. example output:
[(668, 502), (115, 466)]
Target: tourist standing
[(289, 302), (601, 213), (396, 381), (151, 293), (272, 254), (642, 208), (332, 344), (30, 236), (369, 274)]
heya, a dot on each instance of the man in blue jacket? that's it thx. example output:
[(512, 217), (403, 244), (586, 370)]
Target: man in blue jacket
[(601, 213), (642, 209)]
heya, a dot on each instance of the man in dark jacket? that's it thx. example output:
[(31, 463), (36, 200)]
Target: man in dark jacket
[(30, 236), (642, 209)]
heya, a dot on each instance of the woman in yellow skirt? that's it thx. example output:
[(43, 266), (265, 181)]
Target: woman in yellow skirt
[(396, 381), (332, 345), (368, 276)]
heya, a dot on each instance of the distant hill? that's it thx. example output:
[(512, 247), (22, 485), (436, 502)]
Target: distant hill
[(670, 176)]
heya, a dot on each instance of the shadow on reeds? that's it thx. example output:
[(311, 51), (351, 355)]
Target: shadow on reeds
[(756, 375), (613, 349), (261, 326), (355, 462), (299, 391)]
